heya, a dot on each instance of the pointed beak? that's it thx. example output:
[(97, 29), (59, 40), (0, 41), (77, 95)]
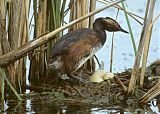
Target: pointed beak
[(124, 31)]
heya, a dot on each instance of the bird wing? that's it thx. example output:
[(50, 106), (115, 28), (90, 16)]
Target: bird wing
[(69, 41), (79, 52)]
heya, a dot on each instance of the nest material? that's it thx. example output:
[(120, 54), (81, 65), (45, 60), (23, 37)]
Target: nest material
[(95, 93), (106, 94)]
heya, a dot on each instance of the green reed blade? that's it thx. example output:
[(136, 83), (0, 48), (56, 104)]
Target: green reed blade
[(130, 29)]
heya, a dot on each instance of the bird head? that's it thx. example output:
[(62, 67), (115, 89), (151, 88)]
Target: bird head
[(111, 25)]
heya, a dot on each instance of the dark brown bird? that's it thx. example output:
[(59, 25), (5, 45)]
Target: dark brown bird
[(76, 47)]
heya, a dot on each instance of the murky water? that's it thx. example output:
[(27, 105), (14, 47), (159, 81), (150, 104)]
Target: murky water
[(123, 58), (41, 106)]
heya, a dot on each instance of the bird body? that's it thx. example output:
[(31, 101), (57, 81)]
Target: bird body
[(72, 50), (75, 48)]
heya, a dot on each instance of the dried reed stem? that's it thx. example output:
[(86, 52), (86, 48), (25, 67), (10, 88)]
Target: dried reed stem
[(148, 19), (91, 20), (152, 93), (133, 15), (146, 48), (111, 59), (120, 83), (92, 8)]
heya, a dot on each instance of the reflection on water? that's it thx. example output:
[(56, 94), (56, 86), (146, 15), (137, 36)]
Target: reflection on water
[(29, 106), (41, 106)]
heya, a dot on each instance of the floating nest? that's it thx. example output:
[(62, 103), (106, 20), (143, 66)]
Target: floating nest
[(108, 92)]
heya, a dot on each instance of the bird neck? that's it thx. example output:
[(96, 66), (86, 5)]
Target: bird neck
[(98, 27)]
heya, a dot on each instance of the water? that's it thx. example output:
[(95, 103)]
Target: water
[(32, 106), (123, 58)]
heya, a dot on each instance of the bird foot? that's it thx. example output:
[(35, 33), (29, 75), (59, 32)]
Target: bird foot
[(71, 77), (75, 78)]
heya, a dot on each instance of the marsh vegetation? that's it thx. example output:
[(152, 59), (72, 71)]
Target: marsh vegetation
[(29, 29)]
